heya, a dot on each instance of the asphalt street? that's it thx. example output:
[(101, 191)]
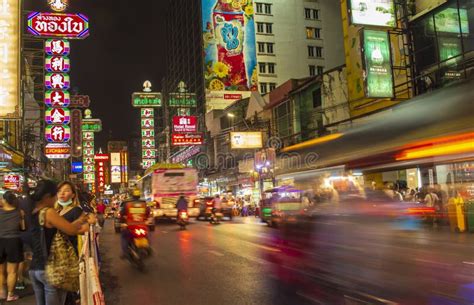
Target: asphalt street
[(328, 261)]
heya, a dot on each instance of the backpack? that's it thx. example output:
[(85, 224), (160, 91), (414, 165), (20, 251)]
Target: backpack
[(62, 264)]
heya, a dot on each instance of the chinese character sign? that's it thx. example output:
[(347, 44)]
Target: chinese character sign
[(148, 137), (88, 154), (57, 47), (9, 58)]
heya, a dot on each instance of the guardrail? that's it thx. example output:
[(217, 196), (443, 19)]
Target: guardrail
[(90, 288)]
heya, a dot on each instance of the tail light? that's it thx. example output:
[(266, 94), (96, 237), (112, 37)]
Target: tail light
[(209, 203), (139, 232), (183, 215)]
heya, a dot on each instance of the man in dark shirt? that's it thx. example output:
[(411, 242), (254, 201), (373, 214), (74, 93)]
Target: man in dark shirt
[(26, 205)]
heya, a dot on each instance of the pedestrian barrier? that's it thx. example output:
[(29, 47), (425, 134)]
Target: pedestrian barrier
[(90, 288)]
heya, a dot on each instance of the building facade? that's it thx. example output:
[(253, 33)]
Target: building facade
[(296, 39)]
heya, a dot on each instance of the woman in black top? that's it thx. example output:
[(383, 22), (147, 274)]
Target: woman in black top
[(68, 206), (44, 196), (11, 249)]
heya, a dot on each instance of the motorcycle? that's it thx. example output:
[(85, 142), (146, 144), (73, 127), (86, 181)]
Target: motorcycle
[(183, 219), (215, 218), (139, 248)]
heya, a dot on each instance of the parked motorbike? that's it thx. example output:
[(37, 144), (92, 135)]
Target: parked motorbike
[(183, 219), (139, 248)]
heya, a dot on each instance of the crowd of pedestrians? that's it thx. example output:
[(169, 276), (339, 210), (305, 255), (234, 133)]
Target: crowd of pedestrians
[(35, 227)]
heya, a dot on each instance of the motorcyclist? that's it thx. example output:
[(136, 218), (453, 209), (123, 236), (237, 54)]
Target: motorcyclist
[(217, 205), (134, 212), (182, 204)]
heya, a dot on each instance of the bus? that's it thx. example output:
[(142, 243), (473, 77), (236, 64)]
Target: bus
[(162, 185)]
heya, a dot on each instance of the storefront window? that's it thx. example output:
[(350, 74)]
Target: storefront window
[(443, 35)]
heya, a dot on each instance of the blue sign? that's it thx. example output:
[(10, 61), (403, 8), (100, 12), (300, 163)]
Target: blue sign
[(76, 167)]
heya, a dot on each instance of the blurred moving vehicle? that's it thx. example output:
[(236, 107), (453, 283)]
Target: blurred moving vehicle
[(206, 205), (162, 185), (118, 224), (281, 205), (139, 249), (183, 219)]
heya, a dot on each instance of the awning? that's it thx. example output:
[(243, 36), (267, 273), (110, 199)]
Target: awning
[(444, 112)]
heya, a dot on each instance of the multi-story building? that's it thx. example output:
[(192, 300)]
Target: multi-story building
[(296, 39)]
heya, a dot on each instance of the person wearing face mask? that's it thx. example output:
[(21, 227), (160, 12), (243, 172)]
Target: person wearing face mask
[(69, 208), (44, 197)]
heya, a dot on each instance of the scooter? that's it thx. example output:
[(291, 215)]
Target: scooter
[(215, 218), (139, 248), (183, 219)]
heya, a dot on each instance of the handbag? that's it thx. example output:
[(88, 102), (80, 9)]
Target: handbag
[(62, 264)]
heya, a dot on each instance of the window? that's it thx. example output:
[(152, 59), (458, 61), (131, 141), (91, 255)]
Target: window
[(259, 8), (311, 14), (263, 27), (261, 47), (311, 51), (319, 52), (272, 86), (263, 88), (268, 9), (313, 33), (262, 67), (317, 100), (269, 27), (271, 68), (312, 70), (320, 70), (270, 48), (316, 14)]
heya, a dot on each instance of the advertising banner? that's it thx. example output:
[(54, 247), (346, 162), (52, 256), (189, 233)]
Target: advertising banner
[(57, 47), (230, 57), (185, 123), (76, 132), (372, 12), (58, 25), (115, 168), (377, 64), (146, 99), (57, 81), (57, 151), (80, 101), (57, 116), (57, 98), (185, 100), (180, 139), (9, 59), (186, 154), (57, 133), (11, 182), (57, 64), (246, 140)]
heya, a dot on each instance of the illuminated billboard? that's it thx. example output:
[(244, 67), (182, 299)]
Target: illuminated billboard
[(372, 12), (246, 140), (58, 25), (377, 64), (115, 168), (230, 57), (9, 59)]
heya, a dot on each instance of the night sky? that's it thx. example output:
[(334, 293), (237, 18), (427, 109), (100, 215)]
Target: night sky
[(125, 48)]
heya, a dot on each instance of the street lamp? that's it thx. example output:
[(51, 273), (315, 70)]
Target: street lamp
[(231, 115)]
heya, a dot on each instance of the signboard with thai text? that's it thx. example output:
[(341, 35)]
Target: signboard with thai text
[(58, 25)]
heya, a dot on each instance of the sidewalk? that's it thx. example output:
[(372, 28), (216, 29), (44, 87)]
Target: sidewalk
[(27, 297)]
